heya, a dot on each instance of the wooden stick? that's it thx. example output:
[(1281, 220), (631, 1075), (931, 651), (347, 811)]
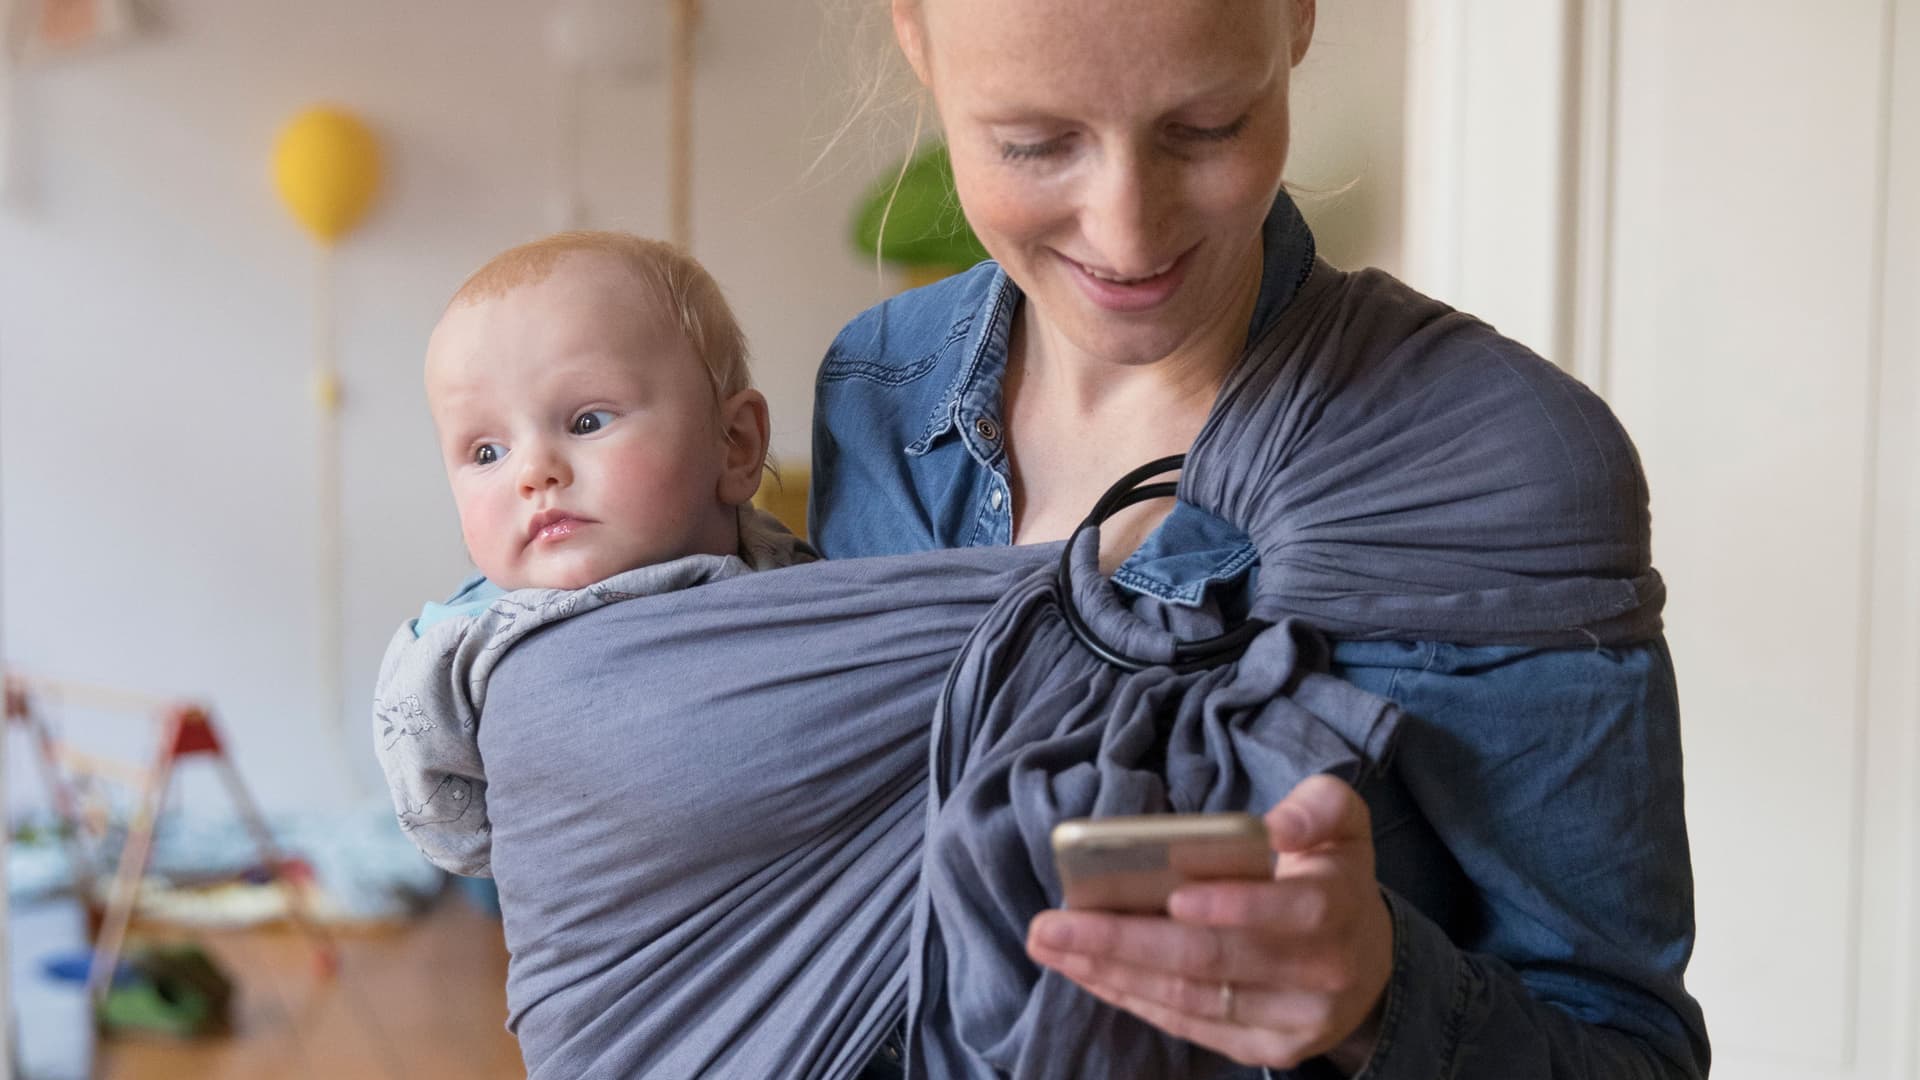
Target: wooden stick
[(686, 18), (79, 761), (88, 695), (298, 911), (125, 893), (66, 803), (328, 581)]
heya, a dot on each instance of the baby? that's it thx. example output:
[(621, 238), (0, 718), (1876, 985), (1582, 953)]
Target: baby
[(602, 441)]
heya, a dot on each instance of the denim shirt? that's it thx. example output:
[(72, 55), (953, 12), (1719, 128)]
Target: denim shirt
[(1543, 915)]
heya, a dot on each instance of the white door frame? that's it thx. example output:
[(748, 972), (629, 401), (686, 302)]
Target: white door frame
[(1894, 666), (1490, 86)]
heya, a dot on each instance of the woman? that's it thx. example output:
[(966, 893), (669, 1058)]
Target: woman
[(1513, 898)]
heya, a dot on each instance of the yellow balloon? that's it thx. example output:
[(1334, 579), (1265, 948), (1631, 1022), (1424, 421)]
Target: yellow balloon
[(326, 166)]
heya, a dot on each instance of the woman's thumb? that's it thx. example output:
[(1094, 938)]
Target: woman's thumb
[(1320, 810)]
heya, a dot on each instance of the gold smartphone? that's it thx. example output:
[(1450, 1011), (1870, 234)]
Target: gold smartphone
[(1134, 863)]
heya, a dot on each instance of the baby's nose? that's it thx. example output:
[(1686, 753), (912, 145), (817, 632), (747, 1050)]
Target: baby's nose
[(541, 468)]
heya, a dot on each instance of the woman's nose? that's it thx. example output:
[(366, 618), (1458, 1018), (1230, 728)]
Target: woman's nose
[(542, 468), (1125, 213)]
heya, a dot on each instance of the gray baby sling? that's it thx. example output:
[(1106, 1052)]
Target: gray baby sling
[(726, 846)]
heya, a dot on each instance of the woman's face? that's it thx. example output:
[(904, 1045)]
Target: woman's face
[(1116, 156)]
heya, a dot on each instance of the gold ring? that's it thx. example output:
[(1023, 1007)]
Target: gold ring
[(1226, 1002)]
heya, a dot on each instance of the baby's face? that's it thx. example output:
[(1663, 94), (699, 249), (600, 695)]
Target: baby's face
[(579, 431)]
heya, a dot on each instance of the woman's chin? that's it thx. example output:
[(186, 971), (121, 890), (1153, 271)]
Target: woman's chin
[(1132, 342)]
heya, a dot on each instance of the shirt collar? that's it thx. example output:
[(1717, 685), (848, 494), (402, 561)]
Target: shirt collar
[(1288, 254), (987, 332)]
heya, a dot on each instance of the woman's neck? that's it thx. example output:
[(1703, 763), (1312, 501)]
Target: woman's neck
[(1045, 363), (1076, 421)]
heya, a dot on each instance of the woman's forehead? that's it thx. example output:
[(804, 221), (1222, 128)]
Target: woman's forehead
[(1039, 49)]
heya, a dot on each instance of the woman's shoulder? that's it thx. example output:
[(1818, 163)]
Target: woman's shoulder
[(1543, 452), (884, 397), (892, 375), (1422, 351), (905, 338)]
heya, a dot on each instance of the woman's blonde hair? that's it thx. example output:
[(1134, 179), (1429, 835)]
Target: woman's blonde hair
[(881, 97), (673, 278), (882, 90)]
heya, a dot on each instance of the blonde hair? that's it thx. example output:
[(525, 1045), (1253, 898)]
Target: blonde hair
[(678, 283), (880, 97), (880, 100)]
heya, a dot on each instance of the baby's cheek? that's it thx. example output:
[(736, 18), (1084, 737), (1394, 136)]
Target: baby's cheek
[(483, 529)]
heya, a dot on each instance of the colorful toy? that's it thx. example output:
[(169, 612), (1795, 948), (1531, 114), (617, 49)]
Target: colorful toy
[(185, 730)]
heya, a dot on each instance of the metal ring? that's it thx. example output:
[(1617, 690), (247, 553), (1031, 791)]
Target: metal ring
[(1187, 655), (1226, 1003)]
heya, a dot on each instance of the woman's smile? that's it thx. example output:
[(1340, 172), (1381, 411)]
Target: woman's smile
[(1124, 295)]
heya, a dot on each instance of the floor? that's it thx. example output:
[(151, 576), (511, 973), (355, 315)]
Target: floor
[(418, 1002)]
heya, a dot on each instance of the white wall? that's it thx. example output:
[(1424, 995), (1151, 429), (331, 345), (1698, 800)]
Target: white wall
[(156, 447), (156, 320), (1349, 161)]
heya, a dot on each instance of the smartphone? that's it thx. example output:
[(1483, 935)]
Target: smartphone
[(1133, 864)]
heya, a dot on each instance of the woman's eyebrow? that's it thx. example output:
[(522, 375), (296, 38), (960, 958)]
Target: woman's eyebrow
[(1231, 90)]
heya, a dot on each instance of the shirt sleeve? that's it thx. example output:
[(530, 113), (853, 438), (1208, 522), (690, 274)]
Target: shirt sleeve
[(428, 748), (1552, 778), (861, 499)]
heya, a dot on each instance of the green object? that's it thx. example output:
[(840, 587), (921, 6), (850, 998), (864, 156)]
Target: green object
[(925, 226), (173, 990)]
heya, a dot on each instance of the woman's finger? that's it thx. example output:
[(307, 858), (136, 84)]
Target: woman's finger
[(1255, 955), (1320, 811), (1264, 1041), (1145, 943), (1254, 965), (1307, 903)]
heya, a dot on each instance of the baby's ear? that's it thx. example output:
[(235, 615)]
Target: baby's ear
[(743, 420)]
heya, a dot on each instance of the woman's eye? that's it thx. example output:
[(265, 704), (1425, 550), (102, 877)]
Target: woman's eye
[(1030, 151), (488, 454), (589, 422), (1215, 134)]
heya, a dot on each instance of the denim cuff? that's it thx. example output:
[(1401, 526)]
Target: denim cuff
[(1426, 1000), (1188, 553)]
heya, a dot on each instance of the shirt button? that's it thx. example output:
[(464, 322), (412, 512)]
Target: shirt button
[(988, 429), (996, 498)]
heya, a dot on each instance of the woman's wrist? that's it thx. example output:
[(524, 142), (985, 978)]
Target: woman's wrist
[(1353, 1052), (1351, 1056)]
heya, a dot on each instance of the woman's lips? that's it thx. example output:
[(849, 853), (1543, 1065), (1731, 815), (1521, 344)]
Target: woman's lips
[(1124, 296)]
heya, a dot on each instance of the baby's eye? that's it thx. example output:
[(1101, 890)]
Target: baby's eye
[(589, 422), (488, 454)]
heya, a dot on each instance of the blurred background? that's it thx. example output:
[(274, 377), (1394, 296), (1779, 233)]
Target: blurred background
[(1709, 211)]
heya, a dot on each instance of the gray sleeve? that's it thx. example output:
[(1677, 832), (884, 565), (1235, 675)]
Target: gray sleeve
[(426, 736)]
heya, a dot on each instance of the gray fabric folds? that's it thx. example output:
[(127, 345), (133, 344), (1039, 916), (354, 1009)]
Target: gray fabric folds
[(432, 687), (709, 807), (1402, 472)]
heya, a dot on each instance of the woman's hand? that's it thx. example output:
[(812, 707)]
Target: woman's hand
[(1267, 973)]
